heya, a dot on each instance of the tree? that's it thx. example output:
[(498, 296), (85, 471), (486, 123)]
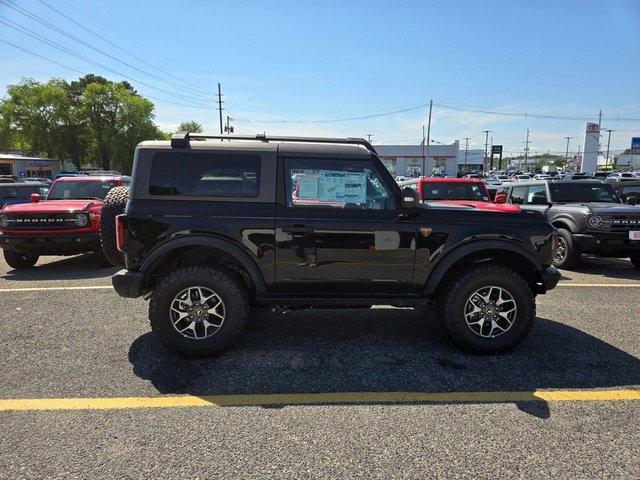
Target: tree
[(85, 121), (190, 126)]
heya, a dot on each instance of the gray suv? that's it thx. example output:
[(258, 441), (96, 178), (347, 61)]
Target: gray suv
[(589, 216)]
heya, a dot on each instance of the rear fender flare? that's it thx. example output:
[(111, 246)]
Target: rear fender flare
[(206, 241)]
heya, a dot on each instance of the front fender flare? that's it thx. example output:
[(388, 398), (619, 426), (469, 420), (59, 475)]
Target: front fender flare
[(474, 246), (206, 241)]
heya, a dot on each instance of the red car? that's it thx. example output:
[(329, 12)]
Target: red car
[(66, 223), (470, 192)]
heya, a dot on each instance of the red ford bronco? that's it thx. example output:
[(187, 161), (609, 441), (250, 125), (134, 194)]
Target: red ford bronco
[(66, 223)]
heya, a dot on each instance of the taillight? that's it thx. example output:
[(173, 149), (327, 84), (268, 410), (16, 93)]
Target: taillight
[(120, 221)]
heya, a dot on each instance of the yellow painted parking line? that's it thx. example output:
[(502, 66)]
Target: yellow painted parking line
[(47, 289), (605, 285), (335, 398)]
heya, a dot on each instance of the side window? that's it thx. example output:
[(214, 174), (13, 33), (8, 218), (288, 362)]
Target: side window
[(335, 183), (205, 175), (518, 194), (538, 192)]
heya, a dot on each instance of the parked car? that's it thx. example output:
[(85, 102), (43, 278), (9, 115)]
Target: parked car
[(66, 223), (12, 193), (522, 178), (628, 191), (469, 192), (213, 227), (588, 215), (621, 177), (541, 176)]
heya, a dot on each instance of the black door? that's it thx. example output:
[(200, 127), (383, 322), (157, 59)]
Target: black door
[(338, 231)]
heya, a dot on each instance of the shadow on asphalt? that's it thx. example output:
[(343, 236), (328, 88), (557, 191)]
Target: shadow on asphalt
[(67, 268), (383, 350), (620, 268)]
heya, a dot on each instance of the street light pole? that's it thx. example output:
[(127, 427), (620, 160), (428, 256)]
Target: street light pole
[(428, 135), (466, 151), (566, 153), (608, 145), (486, 144)]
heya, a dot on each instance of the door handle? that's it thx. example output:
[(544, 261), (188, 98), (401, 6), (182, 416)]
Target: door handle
[(297, 229)]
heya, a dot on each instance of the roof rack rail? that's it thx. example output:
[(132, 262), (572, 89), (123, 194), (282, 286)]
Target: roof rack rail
[(181, 139)]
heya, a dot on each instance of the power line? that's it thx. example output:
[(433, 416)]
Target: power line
[(64, 49), (198, 90), (83, 73), (10, 4), (136, 42)]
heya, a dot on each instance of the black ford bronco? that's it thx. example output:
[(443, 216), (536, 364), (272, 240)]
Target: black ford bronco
[(588, 214), (215, 225)]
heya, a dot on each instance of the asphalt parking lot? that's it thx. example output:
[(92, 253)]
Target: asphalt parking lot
[(338, 378)]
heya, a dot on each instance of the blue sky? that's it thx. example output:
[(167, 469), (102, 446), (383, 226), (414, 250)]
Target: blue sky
[(303, 60)]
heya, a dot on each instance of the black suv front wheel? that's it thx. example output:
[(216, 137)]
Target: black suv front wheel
[(198, 311), (487, 309)]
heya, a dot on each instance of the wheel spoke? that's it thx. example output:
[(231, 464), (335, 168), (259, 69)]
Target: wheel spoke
[(197, 312), (490, 311)]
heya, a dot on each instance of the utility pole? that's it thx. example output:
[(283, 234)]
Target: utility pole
[(428, 136), (608, 145), (220, 107), (466, 151), (566, 153), (424, 158), (486, 144), (526, 150), (369, 135)]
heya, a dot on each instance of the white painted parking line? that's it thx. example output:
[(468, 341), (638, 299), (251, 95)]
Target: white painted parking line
[(605, 285), (47, 289)]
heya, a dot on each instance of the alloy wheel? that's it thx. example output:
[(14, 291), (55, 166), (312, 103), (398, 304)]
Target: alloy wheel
[(197, 312), (490, 311)]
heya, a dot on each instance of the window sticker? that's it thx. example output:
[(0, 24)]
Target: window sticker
[(355, 190), (331, 187), (308, 188)]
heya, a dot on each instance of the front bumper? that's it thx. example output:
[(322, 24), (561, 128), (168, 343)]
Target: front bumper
[(128, 284), (549, 278), (614, 244), (47, 244)]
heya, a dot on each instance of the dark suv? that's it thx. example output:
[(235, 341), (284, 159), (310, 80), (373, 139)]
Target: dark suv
[(213, 228), (589, 216)]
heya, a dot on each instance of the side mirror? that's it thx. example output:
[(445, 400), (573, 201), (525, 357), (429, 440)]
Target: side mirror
[(632, 200), (501, 198), (35, 197), (410, 197)]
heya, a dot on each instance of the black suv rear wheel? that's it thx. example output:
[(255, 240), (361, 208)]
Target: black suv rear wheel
[(20, 260), (114, 205), (487, 309), (198, 311)]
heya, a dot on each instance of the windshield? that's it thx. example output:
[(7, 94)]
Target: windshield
[(582, 192), (454, 191), (81, 190)]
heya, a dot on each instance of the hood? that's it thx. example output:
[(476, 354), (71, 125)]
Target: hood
[(608, 208), (51, 206), (478, 205)]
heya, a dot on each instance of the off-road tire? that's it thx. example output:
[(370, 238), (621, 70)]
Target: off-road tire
[(19, 261), (573, 254), (635, 261), (457, 290), (233, 295), (113, 205)]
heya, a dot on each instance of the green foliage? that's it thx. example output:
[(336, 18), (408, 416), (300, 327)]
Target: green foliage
[(190, 126), (90, 120)]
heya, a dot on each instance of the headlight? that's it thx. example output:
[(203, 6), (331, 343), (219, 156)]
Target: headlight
[(595, 221), (4, 221), (81, 220)]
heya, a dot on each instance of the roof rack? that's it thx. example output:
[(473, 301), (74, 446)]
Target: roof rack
[(181, 139)]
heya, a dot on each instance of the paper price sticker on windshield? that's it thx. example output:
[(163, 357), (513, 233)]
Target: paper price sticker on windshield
[(634, 235)]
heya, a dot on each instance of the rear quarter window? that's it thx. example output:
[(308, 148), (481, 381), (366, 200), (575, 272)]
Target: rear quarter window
[(205, 175)]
